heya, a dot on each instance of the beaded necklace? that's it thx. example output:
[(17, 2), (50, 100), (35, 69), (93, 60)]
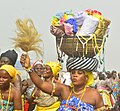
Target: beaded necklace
[(1, 98), (83, 92), (77, 93)]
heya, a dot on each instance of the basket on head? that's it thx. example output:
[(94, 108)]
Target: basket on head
[(80, 46)]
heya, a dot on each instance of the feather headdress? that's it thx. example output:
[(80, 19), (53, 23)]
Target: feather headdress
[(28, 39)]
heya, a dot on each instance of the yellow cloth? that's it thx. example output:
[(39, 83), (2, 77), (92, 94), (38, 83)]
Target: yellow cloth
[(90, 78), (55, 66), (17, 110), (106, 98), (104, 108), (11, 71), (53, 107)]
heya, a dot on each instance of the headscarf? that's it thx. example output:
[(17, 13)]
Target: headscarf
[(86, 64), (90, 78), (55, 66), (37, 62), (10, 54), (11, 71)]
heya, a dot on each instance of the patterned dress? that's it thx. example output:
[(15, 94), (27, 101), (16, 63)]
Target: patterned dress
[(116, 94), (10, 107), (75, 104)]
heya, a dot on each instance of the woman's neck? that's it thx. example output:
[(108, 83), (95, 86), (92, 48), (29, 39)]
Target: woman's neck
[(48, 79), (79, 88), (4, 88)]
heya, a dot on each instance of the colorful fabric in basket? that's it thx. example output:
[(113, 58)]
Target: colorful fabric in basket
[(85, 22)]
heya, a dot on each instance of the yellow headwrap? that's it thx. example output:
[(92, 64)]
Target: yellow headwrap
[(90, 78), (11, 70), (55, 66)]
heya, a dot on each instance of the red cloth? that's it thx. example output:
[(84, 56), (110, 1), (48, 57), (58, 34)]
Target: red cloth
[(26, 106)]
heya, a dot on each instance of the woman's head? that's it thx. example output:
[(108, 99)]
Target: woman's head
[(102, 76), (7, 74), (108, 74), (52, 69), (8, 57), (82, 67), (38, 67), (114, 74), (82, 77)]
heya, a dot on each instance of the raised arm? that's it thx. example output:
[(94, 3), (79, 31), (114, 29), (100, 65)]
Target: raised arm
[(42, 85)]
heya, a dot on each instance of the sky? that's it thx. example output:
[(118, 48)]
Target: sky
[(41, 13)]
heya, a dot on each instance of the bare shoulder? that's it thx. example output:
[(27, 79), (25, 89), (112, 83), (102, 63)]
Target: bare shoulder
[(15, 91), (62, 86), (18, 77), (95, 97), (93, 91), (17, 80), (63, 90)]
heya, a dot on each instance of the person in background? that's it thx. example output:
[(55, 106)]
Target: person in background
[(105, 91), (96, 80), (80, 97), (49, 73), (28, 87), (115, 89), (118, 75), (10, 57), (43, 101), (10, 96)]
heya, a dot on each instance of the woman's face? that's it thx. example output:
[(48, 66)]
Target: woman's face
[(78, 77), (48, 72), (4, 60), (39, 69), (5, 78)]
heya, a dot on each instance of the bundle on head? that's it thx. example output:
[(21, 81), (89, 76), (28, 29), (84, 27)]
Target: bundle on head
[(28, 39)]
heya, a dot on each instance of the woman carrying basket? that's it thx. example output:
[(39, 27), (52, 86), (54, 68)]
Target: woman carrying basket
[(79, 96)]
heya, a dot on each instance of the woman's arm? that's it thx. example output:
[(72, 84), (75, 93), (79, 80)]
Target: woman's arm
[(98, 101), (46, 86), (17, 83), (17, 99)]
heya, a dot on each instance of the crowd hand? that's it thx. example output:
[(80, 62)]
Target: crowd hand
[(25, 60)]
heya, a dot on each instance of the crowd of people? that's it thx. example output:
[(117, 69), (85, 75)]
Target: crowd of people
[(88, 89)]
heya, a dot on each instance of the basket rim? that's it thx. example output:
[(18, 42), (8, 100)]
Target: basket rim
[(66, 36)]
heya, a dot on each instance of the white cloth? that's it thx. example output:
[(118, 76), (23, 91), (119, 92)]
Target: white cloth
[(79, 17), (89, 26), (65, 78)]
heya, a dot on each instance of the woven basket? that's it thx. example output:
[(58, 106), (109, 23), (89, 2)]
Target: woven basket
[(73, 45)]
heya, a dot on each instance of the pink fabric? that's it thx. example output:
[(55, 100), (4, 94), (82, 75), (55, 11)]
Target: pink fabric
[(68, 29)]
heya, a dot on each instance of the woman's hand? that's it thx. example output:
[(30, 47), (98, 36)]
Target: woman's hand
[(25, 60)]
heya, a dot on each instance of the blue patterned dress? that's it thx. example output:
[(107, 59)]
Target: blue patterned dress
[(74, 104), (10, 107)]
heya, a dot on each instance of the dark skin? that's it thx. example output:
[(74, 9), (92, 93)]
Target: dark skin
[(15, 95), (46, 72), (38, 68), (79, 79), (17, 82), (24, 86), (26, 83)]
